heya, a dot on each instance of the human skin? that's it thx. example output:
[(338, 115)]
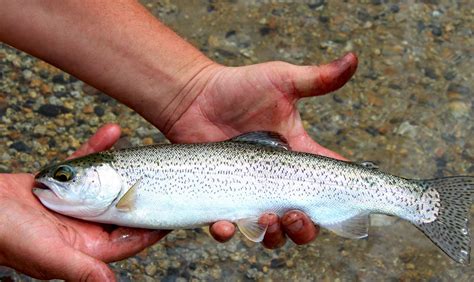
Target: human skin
[(121, 49)]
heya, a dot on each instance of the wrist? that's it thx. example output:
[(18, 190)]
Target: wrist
[(194, 80)]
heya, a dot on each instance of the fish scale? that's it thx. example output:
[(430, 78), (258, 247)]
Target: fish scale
[(190, 185), (296, 179)]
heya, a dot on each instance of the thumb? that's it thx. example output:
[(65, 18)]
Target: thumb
[(81, 267), (318, 80)]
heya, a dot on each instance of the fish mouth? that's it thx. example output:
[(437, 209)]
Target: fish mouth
[(41, 185), (42, 190)]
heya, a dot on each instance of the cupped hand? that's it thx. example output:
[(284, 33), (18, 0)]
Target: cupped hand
[(234, 100), (47, 245)]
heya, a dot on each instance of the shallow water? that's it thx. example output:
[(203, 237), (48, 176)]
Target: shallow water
[(409, 108)]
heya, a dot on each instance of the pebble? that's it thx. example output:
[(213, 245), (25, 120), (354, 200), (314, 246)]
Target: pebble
[(20, 146), (99, 111), (88, 109), (50, 110), (431, 73), (40, 129), (3, 106), (148, 141), (151, 269), (394, 8), (277, 263), (59, 78), (436, 31)]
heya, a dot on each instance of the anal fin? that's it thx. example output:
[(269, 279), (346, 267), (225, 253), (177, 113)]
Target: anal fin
[(253, 230), (377, 219), (356, 227)]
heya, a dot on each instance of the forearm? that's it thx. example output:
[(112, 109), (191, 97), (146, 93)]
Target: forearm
[(115, 46)]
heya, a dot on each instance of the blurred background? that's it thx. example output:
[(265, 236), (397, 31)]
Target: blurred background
[(408, 108)]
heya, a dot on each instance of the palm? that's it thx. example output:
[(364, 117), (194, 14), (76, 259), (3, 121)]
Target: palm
[(258, 97), (55, 236)]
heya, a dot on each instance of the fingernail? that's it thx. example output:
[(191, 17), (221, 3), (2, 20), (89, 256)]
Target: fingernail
[(296, 226), (273, 228), (268, 219)]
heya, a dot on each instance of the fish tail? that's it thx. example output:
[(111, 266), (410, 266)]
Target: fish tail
[(448, 227)]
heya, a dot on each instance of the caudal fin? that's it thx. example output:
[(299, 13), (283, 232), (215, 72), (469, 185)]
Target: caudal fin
[(450, 230)]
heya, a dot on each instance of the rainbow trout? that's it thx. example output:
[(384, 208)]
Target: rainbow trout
[(191, 185)]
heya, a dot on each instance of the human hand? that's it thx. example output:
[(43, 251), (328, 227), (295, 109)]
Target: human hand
[(228, 101), (45, 245)]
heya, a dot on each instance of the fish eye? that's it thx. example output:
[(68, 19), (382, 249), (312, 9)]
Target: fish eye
[(64, 173)]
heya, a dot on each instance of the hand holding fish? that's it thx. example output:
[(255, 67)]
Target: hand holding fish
[(236, 100), (47, 245)]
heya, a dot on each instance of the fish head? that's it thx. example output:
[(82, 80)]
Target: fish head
[(84, 187)]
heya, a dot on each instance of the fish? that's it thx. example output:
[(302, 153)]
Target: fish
[(182, 186)]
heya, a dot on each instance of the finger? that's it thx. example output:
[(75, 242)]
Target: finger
[(222, 231), (275, 236), (81, 267), (103, 139), (70, 265), (299, 227), (124, 242), (318, 80)]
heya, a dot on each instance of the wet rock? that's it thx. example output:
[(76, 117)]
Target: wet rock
[(316, 4), (431, 73), (449, 75), (394, 8), (44, 74), (363, 15), (40, 130), (459, 88), (323, 19), (459, 108), (59, 78), (147, 141), (225, 53), (337, 99), (230, 33), (277, 263), (372, 131), (49, 110), (4, 169), (436, 31), (151, 269), (265, 30), (88, 109), (27, 74), (407, 129), (99, 111), (20, 146), (3, 106)]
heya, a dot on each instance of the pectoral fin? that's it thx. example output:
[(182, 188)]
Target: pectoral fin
[(127, 202), (356, 227), (252, 229)]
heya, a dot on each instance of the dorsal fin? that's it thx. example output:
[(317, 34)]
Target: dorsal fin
[(264, 138), (368, 164)]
